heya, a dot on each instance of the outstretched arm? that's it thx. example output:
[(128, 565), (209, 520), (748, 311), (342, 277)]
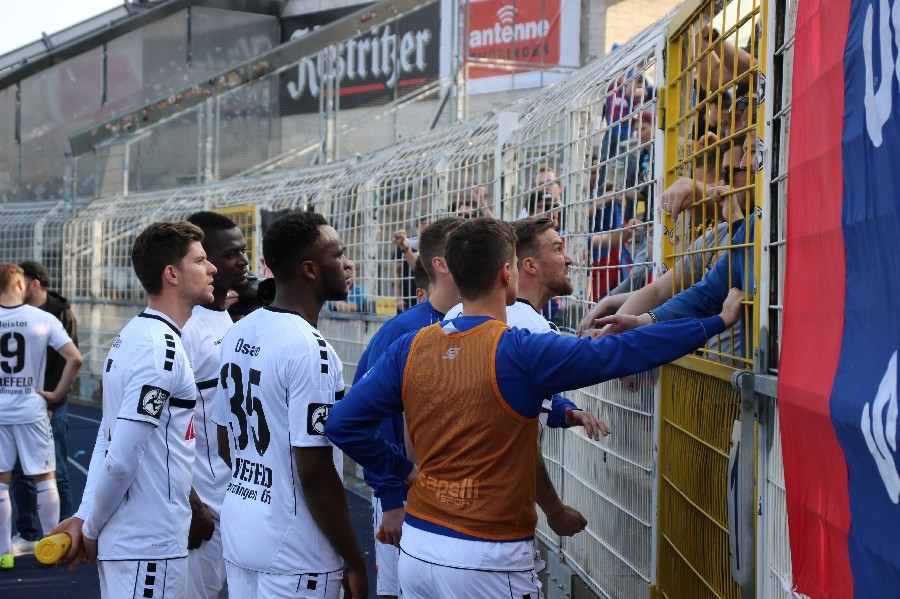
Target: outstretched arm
[(353, 422)]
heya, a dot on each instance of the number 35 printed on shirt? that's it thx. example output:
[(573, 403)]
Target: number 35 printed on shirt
[(245, 406)]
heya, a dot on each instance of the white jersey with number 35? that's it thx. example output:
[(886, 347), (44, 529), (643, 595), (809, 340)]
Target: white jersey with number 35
[(278, 382)]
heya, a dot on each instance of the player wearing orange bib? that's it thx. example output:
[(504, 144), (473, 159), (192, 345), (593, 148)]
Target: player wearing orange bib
[(471, 390)]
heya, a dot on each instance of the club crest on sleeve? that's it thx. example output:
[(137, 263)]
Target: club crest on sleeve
[(152, 401), (317, 415)]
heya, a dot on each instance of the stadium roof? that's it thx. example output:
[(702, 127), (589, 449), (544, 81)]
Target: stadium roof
[(96, 31)]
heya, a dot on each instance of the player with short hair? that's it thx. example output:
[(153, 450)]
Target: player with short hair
[(389, 492), (471, 390), (39, 295), (25, 334), (543, 266), (134, 516), (285, 522), (202, 336)]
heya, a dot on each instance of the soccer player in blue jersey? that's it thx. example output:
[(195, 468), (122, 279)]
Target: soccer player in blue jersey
[(471, 390), (389, 492)]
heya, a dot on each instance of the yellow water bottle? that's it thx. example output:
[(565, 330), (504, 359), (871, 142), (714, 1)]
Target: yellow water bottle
[(51, 549)]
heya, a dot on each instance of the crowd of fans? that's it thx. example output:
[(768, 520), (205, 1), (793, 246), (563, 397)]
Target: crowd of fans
[(607, 214)]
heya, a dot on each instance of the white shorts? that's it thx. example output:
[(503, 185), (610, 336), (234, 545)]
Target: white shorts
[(424, 580), (386, 557), (248, 584), (32, 443), (154, 579), (206, 568)]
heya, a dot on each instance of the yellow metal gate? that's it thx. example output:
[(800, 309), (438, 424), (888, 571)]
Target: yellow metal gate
[(710, 109)]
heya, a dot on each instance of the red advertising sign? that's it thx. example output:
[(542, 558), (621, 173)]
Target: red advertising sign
[(524, 32)]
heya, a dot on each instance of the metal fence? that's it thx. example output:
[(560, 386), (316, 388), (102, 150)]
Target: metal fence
[(588, 151), (774, 552), (707, 495)]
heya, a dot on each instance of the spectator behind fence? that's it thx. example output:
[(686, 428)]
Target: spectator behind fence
[(406, 253), (546, 183), (718, 113), (542, 203), (26, 333), (473, 208), (608, 242), (38, 294), (471, 390), (730, 209), (639, 166), (744, 104), (637, 196), (733, 270), (715, 236), (724, 63), (622, 98)]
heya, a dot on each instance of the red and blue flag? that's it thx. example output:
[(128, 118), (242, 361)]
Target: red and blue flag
[(838, 401)]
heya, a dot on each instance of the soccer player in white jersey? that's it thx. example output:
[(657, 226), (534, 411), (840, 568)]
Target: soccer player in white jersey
[(226, 248), (25, 334), (285, 524), (134, 515)]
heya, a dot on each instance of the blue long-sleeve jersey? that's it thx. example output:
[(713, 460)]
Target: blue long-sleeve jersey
[(707, 295), (389, 489), (529, 368)]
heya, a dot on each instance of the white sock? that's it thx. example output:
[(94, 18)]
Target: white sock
[(5, 520), (48, 504)]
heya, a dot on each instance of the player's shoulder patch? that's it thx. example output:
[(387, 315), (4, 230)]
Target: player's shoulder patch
[(152, 401), (316, 416)]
